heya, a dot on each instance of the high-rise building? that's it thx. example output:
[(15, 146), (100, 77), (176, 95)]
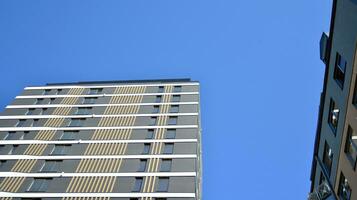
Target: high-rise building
[(118, 140), (333, 173)]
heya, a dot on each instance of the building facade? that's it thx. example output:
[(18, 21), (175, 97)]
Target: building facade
[(119, 140), (333, 173)]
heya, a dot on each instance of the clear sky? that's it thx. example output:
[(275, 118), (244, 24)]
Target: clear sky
[(257, 62)]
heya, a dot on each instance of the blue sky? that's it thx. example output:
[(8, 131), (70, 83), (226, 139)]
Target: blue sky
[(257, 62)]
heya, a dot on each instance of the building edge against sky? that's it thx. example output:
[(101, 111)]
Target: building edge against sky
[(333, 173), (123, 140)]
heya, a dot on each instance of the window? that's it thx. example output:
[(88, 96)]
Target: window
[(156, 109), (10, 135), (95, 90), (170, 134), (158, 99), (59, 91), (39, 101), (52, 101), (21, 123), (150, 134), (43, 111), (176, 98), (169, 148), (327, 158), (51, 166), (172, 120), (30, 111), (174, 108), (69, 135), (177, 88), (160, 89), (137, 185), (153, 121), (340, 68), (160, 199), (47, 92), (163, 185), (34, 122), (60, 149), (39, 185), (75, 122), (13, 149), (142, 165), (333, 115), (351, 146), (354, 99), (84, 111), (344, 189), (165, 165), (146, 149), (89, 100)]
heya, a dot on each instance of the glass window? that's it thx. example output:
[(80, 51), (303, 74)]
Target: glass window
[(52, 101), (153, 121), (333, 115), (176, 98), (351, 146), (344, 189), (177, 88), (43, 111), (69, 135), (13, 149), (59, 91), (21, 123), (34, 122), (146, 149), (84, 111), (30, 111), (165, 165), (39, 101), (10, 135), (340, 68), (163, 185), (39, 185), (142, 165), (75, 122), (169, 148), (327, 158), (156, 109), (170, 134), (95, 90), (160, 89), (47, 92), (51, 166), (137, 184), (174, 108), (172, 120), (60, 149), (158, 99), (150, 134), (89, 100)]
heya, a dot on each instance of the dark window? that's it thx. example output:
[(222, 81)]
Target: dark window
[(13, 149), (169, 148), (30, 111), (60, 149), (172, 120), (340, 68), (163, 185), (52, 101), (10, 135), (156, 109), (153, 121), (69, 135), (333, 115), (75, 122), (95, 90), (176, 98), (134, 198), (174, 108), (170, 134), (89, 100), (327, 158), (158, 99), (351, 146), (344, 189), (146, 149), (39, 101), (137, 185), (84, 111), (51, 166), (39, 185), (59, 91), (160, 89), (177, 88), (160, 198), (43, 111), (142, 165), (166, 165), (47, 92), (150, 134), (34, 122), (21, 123)]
